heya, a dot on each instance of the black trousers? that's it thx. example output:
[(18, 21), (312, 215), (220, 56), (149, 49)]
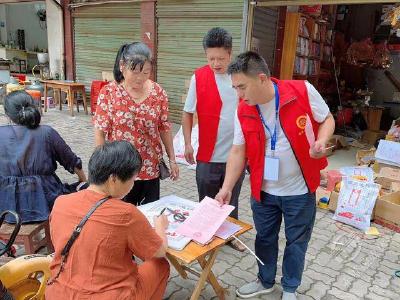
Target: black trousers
[(144, 191), (210, 177)]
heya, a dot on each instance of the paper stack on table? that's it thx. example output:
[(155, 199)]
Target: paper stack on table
[(205, 220), (227, 229), (176, 204)]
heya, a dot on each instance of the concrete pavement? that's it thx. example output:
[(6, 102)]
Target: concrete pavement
[(340, 264)]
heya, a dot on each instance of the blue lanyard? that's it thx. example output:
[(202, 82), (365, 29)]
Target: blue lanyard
[(274, 136)]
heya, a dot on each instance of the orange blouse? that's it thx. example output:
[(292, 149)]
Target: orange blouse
[(99, 265)]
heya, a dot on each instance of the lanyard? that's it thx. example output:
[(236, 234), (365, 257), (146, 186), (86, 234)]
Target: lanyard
[(274, 136)]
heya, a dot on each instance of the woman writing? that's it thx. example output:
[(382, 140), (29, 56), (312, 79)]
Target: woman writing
[(135, 109), (99, 263)]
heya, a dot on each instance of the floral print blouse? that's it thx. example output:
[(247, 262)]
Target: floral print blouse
[(121, 118)]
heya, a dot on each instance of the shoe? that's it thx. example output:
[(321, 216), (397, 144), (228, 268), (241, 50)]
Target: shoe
[(253, 289), (236, 245), (289, 296)]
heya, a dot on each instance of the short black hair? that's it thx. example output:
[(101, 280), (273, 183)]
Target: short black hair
[(131, 55), (249, 63), (22, 109), (217, 37), (118, 158)]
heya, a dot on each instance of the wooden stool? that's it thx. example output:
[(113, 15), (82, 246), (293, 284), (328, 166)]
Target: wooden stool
[(32, 236)]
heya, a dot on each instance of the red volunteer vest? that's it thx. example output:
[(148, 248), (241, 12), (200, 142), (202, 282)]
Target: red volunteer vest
[(293, 107), (209, 105)]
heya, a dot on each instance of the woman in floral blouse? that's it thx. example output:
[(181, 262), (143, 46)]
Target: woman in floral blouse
[(135, 108)]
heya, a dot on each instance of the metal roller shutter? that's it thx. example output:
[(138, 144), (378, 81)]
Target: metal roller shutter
[(265, 29), (99, 31), (308, 2), (181, 27)]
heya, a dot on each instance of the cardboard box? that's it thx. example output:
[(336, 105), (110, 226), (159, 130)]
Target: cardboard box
[(387, 208), (321, 193), (395, 186), (370, 136), (388, 178), (364, 157), (333, 200), (339, 141)]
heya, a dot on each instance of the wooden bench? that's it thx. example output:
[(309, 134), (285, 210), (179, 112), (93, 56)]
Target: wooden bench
[(32, 236)]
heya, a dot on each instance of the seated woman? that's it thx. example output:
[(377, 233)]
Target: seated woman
[(29, 153), (99, 264)]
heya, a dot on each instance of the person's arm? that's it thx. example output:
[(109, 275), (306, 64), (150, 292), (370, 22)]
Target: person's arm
[(187, 123), (234, 168), (161, 224), (164, 128), (99, 137), (321, 114), (81, 174), (235, 164), (325, 132), (65, 156), (102, 120), (187, 120), (166, 138), (144, 240)]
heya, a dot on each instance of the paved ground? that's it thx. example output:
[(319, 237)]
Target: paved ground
[(339, 263)]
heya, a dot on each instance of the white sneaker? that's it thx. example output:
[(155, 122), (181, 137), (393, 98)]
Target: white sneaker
[(289, 296), (253, 289)]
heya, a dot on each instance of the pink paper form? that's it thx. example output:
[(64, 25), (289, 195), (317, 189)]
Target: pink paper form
[(205, 220)]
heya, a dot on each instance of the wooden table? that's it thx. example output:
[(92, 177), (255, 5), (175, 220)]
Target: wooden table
[(68, 87), (205, 256)]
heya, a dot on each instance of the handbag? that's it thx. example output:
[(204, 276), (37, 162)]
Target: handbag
[(164, 171), (75, 234)]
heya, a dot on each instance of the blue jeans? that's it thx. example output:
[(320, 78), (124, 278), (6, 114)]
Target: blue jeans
[(299, 214)]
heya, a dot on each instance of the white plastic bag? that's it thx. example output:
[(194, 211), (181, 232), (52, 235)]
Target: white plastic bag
[(356, 202), (179, 145)]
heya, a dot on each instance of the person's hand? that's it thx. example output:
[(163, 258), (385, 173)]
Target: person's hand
[(173, 166), (318, 149), (189, 154), (161, 222), (223, 196)]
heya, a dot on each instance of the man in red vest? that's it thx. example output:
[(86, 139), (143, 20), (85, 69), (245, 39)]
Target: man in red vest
[(212, 96), (284, 168)]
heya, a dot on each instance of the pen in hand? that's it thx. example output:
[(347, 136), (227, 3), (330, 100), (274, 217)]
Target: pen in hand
[(162, 211)]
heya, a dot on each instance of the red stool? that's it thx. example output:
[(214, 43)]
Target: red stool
[(334, 177), (21, 77), (95, 88)]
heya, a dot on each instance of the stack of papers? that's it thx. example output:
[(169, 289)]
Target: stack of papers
[(227, 229), (205, 220), (176, 204)]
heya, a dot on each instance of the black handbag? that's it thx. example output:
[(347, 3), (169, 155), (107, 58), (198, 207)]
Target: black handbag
[(164, 171)]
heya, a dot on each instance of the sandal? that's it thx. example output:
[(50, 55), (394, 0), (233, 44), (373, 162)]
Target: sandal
[(236, 245)]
